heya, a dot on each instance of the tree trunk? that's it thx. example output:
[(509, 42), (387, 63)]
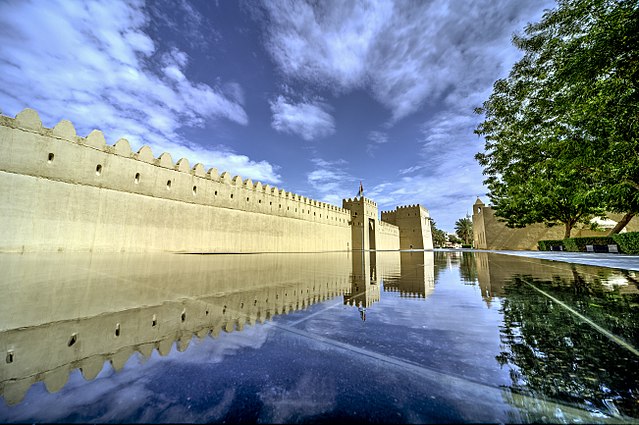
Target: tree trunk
[(622, 223), (568, 230)]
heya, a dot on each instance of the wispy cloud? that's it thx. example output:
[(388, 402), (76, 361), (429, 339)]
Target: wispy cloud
[(405, 53), (94, 64), (446, 179), (410, 170), (307, 119), (329, 178), (180, 17), (376, 138)]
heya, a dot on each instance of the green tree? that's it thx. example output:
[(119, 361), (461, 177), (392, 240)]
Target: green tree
[(464, 229), (439, 236), (567, 115)]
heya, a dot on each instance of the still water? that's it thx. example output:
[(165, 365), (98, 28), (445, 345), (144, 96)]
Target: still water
[(443, 336)]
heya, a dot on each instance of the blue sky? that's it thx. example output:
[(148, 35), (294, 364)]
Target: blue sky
[(311, 97)]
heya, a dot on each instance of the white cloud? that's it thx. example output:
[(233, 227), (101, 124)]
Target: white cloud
[(405, 53), (410, 170), (92, 63), (309, 119), (445, 179), (329, 178)]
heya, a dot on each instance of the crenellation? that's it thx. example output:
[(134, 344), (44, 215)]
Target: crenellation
[(29, 119), (65, 130), (122, 148), (165, 160), (96, 139), (198, 170), (123, 173), (145, 154)]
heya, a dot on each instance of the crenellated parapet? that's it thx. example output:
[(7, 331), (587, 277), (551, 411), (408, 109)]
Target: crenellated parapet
[(90, 161), (413, 222), (153, 195)]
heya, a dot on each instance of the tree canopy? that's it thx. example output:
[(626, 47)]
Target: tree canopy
[(560, 131), (464, 229), (439, 236)]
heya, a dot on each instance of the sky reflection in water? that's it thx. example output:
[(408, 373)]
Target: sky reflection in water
[(447, 337)]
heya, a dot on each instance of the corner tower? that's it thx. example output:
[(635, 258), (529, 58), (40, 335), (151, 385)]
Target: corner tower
[(479, 228), (363, 222), (414, 226)]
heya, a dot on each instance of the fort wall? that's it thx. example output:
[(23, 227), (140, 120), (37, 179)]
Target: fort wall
[(387, 236), (491, 233), (413, 222), (63, 192)]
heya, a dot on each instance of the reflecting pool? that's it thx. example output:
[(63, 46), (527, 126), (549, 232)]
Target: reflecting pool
[(427, 337)]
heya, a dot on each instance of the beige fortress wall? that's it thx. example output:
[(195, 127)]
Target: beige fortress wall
[(414, 226), (387, 236), (490, 233), (62, 192)]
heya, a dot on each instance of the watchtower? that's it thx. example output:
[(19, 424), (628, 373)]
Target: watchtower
[(414, 226), (363, 222)]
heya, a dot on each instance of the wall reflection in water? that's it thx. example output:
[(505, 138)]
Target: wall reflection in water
[(417, 277), (569, 333), (76, 311), (63, 311)]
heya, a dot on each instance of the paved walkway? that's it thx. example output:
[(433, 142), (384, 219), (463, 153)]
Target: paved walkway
[(617, 261)]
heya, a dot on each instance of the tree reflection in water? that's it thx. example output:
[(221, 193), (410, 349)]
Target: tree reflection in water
[(553, 353)]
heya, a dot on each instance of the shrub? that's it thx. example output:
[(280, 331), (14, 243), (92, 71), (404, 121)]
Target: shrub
[(579, 244), (628, 242), (548, 244)]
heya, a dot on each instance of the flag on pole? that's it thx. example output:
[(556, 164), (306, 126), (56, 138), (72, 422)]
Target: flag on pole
[(361, 189)]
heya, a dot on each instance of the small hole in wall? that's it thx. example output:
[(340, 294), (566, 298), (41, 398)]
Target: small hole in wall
[(259, 201), (231, 196), (206, 312), (270, 203), (72, 340), (117, 329), (183, 316), (241, 305), (247, 199), (224, 310), (216, 193), (137, 178), (154, 321), (9, 356), (98, 169), (168, 185), (51, 156), (194, 190)]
